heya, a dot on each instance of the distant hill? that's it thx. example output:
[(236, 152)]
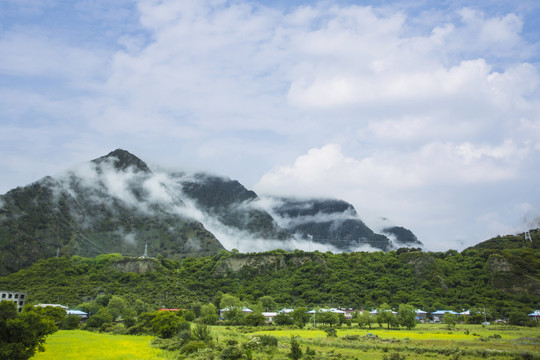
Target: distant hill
[(499, 281), (528, 239), (117, 204)]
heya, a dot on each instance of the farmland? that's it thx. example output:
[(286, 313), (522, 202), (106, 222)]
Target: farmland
[(426, 341)]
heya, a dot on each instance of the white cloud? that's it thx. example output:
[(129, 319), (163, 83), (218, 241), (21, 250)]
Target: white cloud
[(444, 98), (419, 190)]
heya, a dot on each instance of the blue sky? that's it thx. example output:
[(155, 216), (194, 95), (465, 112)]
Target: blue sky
[(423, 114)]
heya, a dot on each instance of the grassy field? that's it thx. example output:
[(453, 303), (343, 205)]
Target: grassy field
[(426, 341), (85, 345)]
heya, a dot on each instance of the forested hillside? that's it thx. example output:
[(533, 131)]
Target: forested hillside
[(499, 280), (117, 204)]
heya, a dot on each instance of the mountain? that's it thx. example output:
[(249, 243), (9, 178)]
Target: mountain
[(117, 204), (328, 221)]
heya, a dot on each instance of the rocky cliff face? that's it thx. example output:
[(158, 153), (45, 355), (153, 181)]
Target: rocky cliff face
[(136, 265)]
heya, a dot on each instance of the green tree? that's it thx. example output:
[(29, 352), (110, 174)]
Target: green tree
[(268, 303), (327, 317), (71, 322), (385, 315), (254, 319), (300, 316), (22, 334), (166, 324), (209, 314), (518, 318), (449, 319), (235, 316), (117, 306), (283, 319), (55, 313), (407, 316), (230, 301), (140, 306), (103, 316), (365, 319)]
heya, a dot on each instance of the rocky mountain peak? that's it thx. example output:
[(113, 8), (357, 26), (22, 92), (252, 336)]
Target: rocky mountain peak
[(123, 159)]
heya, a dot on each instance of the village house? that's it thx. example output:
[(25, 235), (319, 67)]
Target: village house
[(421, 316), (224, 311), (269, 316), (438, 315), (535, 315), (17, 297)]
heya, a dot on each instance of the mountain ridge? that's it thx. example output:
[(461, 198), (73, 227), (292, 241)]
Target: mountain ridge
[(116, 203)]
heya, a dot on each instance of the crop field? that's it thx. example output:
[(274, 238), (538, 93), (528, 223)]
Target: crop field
[(426, 341), (85, 345)]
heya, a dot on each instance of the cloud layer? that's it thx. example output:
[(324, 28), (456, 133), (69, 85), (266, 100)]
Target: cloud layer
[(427, 116)]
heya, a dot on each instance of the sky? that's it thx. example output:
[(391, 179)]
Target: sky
[(422, 114)]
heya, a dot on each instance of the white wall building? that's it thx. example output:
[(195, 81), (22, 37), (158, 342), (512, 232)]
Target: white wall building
[(17, 297)]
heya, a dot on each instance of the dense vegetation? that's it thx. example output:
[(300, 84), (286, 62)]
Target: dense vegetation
[(502, 281), (22, 334)]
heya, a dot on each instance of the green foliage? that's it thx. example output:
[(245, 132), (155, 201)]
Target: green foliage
[(71, 322), (166, 324), (230, 301), (22, 334), (327, 317), (385, 315), (231, 353), (296, 351), (450, 320), (254, 319), (330, 332), (235, 316), (283, 319), (300, 316), (54, 313), (96, 321), (500, 280), (193, 347), (268, 303), (407, 316), (209, 314), (365, 319), (268, 340), (201, 332), (518, 318), (117, 306)]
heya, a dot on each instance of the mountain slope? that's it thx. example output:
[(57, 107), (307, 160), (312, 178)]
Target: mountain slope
[(111, 204), (328, 221), (117, 204)]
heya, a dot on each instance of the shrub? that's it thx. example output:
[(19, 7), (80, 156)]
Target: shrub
[(231, 353), (330, 332), (102, 317), (201, 332), (193, 346), (268, 340), (394, 356), (71, 322), (296, 352), (173, 344), (167, 324)]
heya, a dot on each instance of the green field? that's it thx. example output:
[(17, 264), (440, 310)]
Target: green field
[(423, 342), (85, 345)]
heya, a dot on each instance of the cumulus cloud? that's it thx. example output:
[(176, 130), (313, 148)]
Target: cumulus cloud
[(410, 98)]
